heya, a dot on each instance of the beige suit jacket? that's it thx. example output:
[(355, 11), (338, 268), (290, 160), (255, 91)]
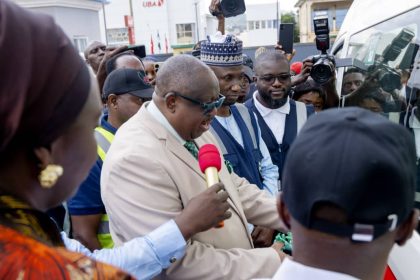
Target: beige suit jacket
[(147, 179)]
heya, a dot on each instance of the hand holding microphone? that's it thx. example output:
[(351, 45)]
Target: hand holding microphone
[(210, 163)]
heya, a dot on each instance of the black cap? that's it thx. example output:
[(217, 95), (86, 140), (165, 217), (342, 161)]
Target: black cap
[(131, 81), (358, 161)]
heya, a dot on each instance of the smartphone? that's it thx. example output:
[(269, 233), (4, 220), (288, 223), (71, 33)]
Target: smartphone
[(139, 51), (286, 36)]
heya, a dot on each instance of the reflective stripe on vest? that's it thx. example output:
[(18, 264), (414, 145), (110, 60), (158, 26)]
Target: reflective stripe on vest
[(104, 139)]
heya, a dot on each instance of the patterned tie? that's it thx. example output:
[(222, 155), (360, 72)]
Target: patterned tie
[(192, 148)]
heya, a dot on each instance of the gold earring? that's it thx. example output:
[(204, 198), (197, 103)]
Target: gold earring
[(49, 176)]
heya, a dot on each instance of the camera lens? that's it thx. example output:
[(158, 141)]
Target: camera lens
[(322, 71), (389, 81)]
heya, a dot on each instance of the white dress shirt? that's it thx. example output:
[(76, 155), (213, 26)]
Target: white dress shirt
[(275, 118), (142, 257), (291, 270), (269, 171)]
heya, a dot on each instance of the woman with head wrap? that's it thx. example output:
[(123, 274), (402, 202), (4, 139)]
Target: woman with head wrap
[(49, 107)]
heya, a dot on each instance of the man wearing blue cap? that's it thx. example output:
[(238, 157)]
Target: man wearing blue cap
[(235, 127)]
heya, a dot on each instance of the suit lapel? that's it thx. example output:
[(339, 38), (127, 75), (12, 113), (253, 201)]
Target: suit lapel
[(184, 155), (172, 144)]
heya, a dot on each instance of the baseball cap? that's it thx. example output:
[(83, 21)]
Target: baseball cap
[(296, 67), (127, 80), (358, 161)]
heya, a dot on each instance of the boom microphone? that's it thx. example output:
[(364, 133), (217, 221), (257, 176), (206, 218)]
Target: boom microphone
[(210, 163)]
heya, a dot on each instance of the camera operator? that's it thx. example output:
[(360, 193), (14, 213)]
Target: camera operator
[(321, 67), (370, 95)]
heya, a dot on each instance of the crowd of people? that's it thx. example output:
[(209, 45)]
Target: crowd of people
[(112, 141)]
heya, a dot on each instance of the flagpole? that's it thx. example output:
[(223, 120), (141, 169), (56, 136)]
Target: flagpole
[(196, 21), (106, 32)]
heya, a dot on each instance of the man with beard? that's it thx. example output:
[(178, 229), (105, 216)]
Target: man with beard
[(279, 117), (151, 173), (235, 127)]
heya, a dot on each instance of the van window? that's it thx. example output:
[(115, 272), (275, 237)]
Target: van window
[(387, 51)]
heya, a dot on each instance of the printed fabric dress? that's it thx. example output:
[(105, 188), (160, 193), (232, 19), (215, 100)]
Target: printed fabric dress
[(31, 248)]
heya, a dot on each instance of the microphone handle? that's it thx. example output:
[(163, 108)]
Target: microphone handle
[(212, 177)]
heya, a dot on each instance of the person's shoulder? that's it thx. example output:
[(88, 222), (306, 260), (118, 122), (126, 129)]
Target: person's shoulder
[(21, 254)]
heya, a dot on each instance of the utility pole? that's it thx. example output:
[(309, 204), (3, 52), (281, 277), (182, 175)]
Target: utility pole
[(106, 32), (277, 17), (196, 21)]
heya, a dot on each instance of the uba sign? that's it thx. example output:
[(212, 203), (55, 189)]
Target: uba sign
[(151, 4)]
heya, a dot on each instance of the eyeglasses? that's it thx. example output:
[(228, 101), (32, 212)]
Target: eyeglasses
[(270, 79), (206, 107)]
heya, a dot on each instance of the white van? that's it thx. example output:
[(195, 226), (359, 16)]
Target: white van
[(372, 30), (370, 26)]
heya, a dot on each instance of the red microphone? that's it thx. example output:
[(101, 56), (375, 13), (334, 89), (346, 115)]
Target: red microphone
[(210, 163)]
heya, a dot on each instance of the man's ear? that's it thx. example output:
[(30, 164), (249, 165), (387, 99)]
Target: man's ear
[(170, 102), (254, 79), (283, 212), (405, 230), (112, 100)]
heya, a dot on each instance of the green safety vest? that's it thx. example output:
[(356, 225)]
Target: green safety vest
[(104, 139)]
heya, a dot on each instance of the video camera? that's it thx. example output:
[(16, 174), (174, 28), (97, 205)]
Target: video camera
[(324, 64)]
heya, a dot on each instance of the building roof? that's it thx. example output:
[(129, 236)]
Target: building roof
[(299, 3)]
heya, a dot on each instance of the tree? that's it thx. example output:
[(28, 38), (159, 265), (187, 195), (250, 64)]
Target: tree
[(290, 17)]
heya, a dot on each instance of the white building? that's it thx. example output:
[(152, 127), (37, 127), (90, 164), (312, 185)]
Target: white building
[(176, 25), (79, 19)]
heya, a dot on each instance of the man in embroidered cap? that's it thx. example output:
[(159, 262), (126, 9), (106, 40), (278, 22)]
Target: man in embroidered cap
[(235, 127)]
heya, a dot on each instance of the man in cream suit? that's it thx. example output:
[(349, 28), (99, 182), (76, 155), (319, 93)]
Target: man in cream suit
[(149, 176)]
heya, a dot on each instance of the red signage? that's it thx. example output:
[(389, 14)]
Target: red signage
[(151, 4), (128, 20)]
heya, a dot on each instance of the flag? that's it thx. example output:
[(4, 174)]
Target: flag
[(152, 47), (158, 42), (166, 44)]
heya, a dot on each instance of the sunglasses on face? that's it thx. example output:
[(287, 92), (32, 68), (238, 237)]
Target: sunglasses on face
[(270, 79), (206, 107)]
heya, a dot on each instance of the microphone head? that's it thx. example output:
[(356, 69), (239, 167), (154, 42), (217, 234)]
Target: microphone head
[(209, 156)]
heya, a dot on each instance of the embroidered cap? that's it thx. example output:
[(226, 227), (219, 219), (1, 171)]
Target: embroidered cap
[(222, 50)]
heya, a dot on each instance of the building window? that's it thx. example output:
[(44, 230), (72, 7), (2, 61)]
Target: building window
[(80, 43), (263, 24), (269, 24), (185, 33), (275, 23), (340, 14), (257, 24), (251, 25)]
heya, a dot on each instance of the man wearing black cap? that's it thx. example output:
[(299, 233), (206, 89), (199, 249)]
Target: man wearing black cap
[(344, 225), (125, 90)]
